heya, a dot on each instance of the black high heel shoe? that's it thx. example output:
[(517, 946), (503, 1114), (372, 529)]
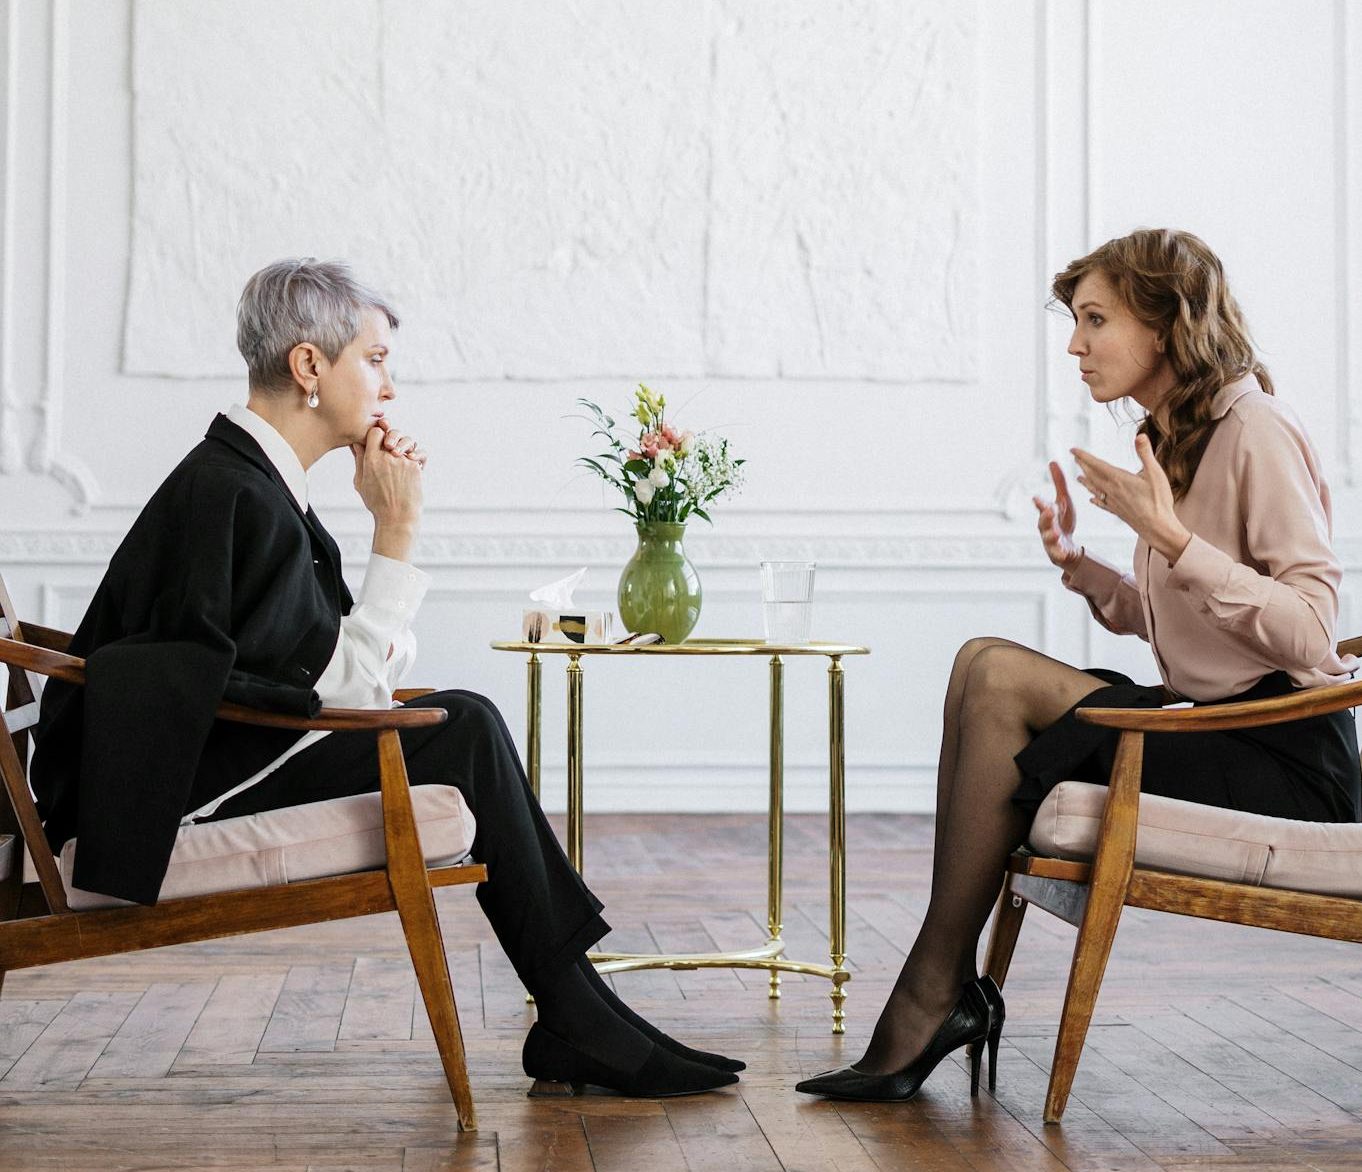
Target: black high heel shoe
[(560, 1069), (997, 1014), (970, 1021)]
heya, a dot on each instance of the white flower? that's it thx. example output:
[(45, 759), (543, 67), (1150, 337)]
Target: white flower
[(687, 442), (658, 478), (644, 490)]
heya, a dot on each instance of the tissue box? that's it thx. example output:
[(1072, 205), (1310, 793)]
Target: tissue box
[(551, 626)]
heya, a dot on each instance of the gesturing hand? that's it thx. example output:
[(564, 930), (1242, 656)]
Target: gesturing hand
[(1143, 500), (1057, 520)]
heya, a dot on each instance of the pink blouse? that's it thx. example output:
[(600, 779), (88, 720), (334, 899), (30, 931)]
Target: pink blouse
[(1256, 590)]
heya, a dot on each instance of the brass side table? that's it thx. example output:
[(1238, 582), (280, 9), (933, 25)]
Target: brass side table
[(770, 955)]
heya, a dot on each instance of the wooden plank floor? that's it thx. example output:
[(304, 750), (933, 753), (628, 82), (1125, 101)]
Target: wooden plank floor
[(1214, 1047)]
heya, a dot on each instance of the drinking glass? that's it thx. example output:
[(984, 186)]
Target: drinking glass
[(787, 600)]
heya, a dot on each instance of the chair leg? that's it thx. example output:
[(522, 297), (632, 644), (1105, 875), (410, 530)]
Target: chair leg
[(1095, 936), (1002, 939), (426, 945), (1107, 886), (410, 886)]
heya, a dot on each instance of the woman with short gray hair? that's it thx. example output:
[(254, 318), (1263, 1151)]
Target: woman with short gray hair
[(229, 588)]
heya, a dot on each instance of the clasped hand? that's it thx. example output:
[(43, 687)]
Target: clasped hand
[(388, 469), (1143, 500)]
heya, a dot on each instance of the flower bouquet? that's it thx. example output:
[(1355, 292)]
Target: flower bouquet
[(666, 476)]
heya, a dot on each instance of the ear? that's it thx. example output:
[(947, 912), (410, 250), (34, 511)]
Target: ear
[(1159, 342), (306, 363)]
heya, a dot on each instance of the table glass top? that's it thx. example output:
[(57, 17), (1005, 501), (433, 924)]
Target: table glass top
[(689, 647)]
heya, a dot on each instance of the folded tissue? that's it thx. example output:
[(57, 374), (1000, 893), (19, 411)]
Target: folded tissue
[(556, 620)]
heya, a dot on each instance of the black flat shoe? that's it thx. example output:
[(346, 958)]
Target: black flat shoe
[(968, 1022), (690, 1054), (650, 1031), (560, 1069)]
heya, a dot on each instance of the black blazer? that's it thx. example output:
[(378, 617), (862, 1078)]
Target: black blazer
[(222, 590)]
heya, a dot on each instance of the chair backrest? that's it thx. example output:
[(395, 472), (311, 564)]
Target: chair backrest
[(18, 814)]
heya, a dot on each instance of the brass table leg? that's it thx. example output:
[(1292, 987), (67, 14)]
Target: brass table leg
[(533, 722), (776, 811), (837, 823), (574, 763), (533, 680)]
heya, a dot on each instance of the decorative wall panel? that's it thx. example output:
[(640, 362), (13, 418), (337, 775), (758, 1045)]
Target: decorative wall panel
[(694, 191)]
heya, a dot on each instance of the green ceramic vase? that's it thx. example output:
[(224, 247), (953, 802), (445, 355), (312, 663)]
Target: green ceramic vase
[(659, 588)]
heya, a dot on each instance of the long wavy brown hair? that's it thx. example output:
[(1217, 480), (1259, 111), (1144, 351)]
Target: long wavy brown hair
[(1176, 285)]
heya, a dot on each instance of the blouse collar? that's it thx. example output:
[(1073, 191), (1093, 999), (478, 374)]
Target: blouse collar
[(276, 448)]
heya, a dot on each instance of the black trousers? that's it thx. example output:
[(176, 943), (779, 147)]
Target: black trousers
[(1305, 769), (541, 911)]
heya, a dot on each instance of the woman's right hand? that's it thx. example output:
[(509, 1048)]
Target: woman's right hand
[(1056, 523), (388, 480)]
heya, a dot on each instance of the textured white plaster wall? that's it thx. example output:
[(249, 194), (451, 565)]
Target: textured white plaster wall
[(569, 190), (825, 227)]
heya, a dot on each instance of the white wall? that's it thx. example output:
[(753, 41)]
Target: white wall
[(824, 227)]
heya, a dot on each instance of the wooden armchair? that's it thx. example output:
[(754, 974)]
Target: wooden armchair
[(38, 927), (1090, 895)]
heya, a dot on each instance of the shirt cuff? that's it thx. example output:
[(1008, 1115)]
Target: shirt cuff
[(393, 586), (1201, 570), (1090, 575)]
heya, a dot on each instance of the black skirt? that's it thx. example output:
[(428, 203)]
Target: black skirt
[(1306, 769)]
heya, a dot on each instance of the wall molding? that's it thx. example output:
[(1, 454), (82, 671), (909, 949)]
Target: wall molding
[(1348, 239), (10, 458), (926, 553), (33, 547), (46, 454)]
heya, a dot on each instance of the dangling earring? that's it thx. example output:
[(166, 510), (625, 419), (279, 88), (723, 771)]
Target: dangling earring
[(312, 399)]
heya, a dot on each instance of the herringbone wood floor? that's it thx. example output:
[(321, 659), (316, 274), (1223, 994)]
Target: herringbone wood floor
[(1213, 1046)]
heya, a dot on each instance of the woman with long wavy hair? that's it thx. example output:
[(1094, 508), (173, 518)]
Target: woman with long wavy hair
[(1234, 586)]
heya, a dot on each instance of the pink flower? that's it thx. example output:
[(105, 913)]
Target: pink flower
[(648, 442), (671, 435), (632, 455)]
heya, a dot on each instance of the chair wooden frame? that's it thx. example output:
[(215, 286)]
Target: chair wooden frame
[(37, 927), (1091, 895)]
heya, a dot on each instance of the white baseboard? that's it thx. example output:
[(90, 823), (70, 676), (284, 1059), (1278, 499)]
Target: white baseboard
[(611, 789)]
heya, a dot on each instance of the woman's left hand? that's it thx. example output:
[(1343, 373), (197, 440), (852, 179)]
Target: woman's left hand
[(1143, 500), (400, 444)]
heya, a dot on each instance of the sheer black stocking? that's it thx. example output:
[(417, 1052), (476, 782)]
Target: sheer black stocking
[(1000, 695)]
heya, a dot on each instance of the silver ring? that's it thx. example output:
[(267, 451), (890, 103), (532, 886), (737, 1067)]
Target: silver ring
[(1101, 498)]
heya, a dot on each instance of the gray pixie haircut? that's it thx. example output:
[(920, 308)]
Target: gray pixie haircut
[(295, 301)]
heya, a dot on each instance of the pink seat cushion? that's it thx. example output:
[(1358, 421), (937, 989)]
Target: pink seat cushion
[(335, 837), (1192, 839)]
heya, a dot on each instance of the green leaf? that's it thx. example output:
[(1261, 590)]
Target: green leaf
[(638, 467), (699, 512)]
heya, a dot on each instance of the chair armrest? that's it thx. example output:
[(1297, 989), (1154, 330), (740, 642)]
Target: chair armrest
[(1245, 714), (56, 664), (402, 695), (336, 719), (72, 669), (48, 637)]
